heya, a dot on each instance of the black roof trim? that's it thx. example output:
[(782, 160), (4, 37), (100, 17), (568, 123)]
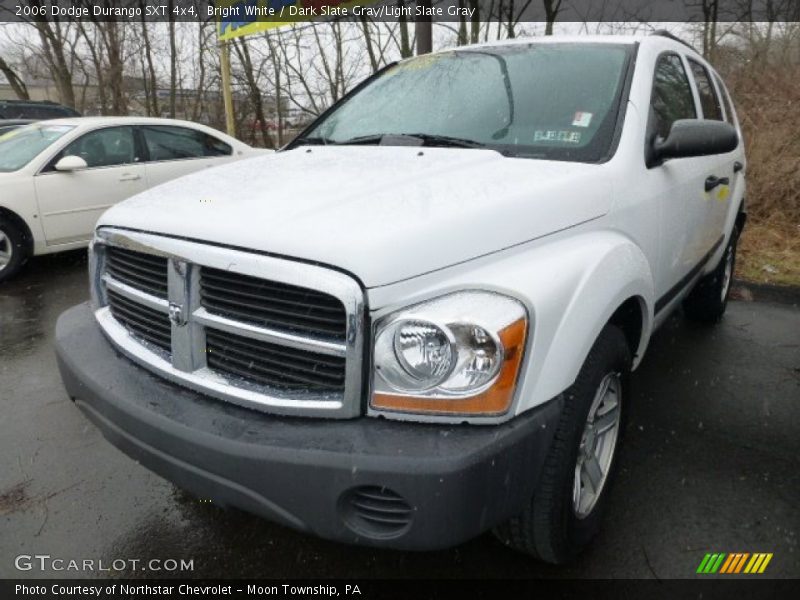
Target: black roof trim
[(672, 36)]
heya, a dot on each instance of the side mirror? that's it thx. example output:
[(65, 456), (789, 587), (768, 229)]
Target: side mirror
[(71, 163), (695, 137)]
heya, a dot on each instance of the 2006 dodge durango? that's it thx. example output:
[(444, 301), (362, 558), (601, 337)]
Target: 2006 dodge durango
[(416, 322)]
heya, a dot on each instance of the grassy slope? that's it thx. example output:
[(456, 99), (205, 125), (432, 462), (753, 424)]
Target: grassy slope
[(769, 252), (767, 98)]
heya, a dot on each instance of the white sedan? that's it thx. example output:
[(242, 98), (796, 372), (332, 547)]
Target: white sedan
[(57, 177)]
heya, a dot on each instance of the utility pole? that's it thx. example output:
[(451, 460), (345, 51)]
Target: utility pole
[(227, 94), (424, 29)]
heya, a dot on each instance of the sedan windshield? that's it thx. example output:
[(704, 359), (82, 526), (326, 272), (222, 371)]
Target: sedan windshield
[(555, 101), (21, 146)]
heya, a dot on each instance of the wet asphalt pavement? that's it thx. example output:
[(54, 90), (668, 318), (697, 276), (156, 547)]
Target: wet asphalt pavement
[(711, 463)]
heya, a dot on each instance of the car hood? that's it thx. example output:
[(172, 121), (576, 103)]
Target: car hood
[(382, 213)]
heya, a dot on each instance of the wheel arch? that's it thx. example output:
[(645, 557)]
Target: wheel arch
[(20, 223), (615, 285), (741, 217)]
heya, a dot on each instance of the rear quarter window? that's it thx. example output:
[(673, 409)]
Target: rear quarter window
[(712, 109), (181, 143), (726, 102)]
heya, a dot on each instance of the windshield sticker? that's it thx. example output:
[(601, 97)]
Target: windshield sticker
[(582, 119), (8, 136), (567, 137)]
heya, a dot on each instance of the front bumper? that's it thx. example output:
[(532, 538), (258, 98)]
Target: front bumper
[(436, 485)]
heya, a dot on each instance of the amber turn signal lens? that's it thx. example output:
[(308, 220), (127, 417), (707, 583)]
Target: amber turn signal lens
[(495, 400)]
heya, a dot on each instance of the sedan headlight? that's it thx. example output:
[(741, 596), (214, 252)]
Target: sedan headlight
[(459, 354)]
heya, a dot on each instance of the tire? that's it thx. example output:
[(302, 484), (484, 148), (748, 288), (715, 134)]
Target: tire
[(561, 521), (14, 250), (707, 302)]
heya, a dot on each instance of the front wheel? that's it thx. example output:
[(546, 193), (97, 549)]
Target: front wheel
[(565, 512)]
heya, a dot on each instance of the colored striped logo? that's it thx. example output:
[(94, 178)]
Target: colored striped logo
[(733, 563)]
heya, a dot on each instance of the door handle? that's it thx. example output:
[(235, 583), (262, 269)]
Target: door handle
[(713, 181), (128, 177), (737, 166)]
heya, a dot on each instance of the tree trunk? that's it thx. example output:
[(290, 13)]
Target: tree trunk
[(405, 42), (53, 47), (116, 81), (173, 63), (19, 87), (368, 39), (152, 108), (475, 25), (462, 25), (551, 10), (254, 90), (99, 69)]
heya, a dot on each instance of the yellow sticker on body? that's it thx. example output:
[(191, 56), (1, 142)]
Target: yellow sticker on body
[(723, 193)]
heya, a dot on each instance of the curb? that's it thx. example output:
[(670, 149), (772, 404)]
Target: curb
[(747, 291)]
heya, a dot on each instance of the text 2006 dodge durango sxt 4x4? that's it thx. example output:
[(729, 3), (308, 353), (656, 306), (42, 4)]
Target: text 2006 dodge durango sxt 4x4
[(416, 323)]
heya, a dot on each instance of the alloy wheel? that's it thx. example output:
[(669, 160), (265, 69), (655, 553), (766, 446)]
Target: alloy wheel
[(598, 443), (6, 250)]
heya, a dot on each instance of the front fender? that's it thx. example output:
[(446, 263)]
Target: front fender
[(18, 197), (608, 269), (571, 286)]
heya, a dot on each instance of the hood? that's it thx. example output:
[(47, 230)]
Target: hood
[(382, 213)]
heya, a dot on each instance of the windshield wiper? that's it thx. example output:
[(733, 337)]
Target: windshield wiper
[(427, 139), (373, 138), (431, 139)]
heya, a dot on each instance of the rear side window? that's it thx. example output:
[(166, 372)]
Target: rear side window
[(708, 95), (109, 147), (177, 143), (672, 96), (726, 101)]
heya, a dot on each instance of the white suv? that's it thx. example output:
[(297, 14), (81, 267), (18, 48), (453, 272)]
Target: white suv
[(416, 323)]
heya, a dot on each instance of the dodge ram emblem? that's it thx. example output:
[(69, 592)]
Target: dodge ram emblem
[(176, 314)]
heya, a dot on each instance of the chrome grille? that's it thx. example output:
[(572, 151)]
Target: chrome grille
[(137, 269), (274, 365), (268, 333), (148, 324), (272, 304)]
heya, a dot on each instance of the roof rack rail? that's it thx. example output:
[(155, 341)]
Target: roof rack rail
[(672, 36)]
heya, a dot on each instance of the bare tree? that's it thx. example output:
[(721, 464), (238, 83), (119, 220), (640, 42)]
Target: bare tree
[(151, 85), (254, 90), (19, 87), (551, 10), (373, 61), (56, 39), (173, 62)]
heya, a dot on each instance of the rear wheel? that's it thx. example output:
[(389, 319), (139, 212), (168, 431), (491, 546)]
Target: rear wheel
[(565, 512), (708, 300), (13, 250)]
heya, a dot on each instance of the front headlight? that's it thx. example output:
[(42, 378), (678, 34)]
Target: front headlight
[(459, 354)]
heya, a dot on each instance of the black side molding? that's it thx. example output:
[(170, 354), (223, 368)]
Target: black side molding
[(687, 279)]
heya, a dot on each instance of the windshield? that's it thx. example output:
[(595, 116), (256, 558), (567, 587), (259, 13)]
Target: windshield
[(19, 146), (554, 101)]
